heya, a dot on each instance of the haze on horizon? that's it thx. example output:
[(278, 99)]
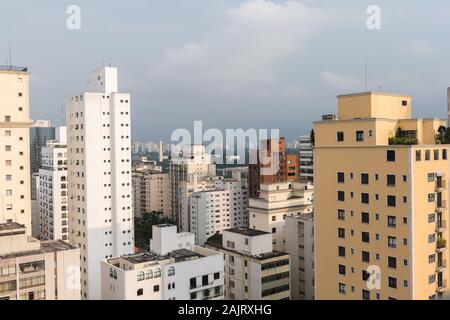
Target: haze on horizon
[(231, 63)]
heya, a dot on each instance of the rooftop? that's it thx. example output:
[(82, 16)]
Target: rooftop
[(247, 232), (184, 254), (13, 68), (55, 246), (11, 226), (141, 258), (374, 93)]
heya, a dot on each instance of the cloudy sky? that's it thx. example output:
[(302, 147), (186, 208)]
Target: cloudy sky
[(231, 63)]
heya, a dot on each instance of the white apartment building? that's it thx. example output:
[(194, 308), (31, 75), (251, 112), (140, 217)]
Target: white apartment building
[(276, 202), (191, 164), (35, 214), (175, 269), (300, 246), (151, 192), (37, 270), (99, 174), (213, 211), (15, 203), (306, 153), (53, 196), (253, 271)]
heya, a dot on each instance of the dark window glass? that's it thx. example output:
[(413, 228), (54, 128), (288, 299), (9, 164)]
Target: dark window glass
[(392, 262), (340, 136), (391, 180), (391, 201), (341, 251), (341, 177), (365, 236), (390, 155), (364, 178), (365, 256), (341, 196), (364, 198), (365, 217)]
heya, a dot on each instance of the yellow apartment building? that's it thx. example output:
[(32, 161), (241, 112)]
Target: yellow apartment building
[(15, 204), (381, 202)]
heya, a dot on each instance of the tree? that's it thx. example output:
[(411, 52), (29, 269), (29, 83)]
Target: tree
[(143, 227), (313, 137)]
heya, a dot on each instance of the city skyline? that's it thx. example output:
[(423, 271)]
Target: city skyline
[(251, 55)]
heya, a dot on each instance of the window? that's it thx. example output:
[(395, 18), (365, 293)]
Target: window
[(431, 197), (392, 242), (141, 276), (432, 279), (341, 251), (171, 271), (431, 177), (392, 221), (364, 178), (217, 276), (365, 237), (140, 292), (341, 233), (359, 135), (341, 214), (391, 180), (365, 275), (342, 270), (432, 238), (390, 155), (341, 177), (365, 256), (405, 179), (364, 198), (193, 283), (418, 155), (149, 274), (392, 262), (436, 154), (391, 201), (156, 288), (404, 103), (341, 288), (432, 258), (444, 154), (341, 196), (365, 217), (392, 282), (157, 273), (340, 136), (432, 218), (427, 155)]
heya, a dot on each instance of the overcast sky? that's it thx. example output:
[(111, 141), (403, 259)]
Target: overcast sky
[(230, 63)]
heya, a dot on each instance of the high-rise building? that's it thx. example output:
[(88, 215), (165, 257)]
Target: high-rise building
[(151, 192), (276, 202), (41, 131), (253, 271), (274, 166), (306, 155), (381, 202), (174, 269), (191, 164), (99, 174), (53, 195), (14, 146), (213, 211), (300, 246), (35, 270)]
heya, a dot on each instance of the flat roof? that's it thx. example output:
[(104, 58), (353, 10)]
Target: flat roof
[(184, 254), (11, 226), (13, 68), (382, 93), (247, 232), (141, 258), (54, 246)]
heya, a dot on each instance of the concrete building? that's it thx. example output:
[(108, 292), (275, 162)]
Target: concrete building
[(300, 247), (99, 174), (192, 164), (151, 192), (53, 195), (34, 270), (41, 131), (213, 211), (175, 269), (276, 202), (14, 146), (253, 271), (35, 214), (381, 208), (306, 155)]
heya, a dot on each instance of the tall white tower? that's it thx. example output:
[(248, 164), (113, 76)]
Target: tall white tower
[(99, 174)]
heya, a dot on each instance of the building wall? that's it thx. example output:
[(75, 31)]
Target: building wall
[(151, 192)]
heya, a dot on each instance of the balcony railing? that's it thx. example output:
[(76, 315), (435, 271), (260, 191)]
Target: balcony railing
[(441, 244), (441, 185), (441, 226), (441, 206), (441, 286), (441, 265)]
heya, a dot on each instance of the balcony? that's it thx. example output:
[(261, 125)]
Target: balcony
[(441, 226), (441, 286), (441, 245), (441, 266), (441, 185), (441, 206)]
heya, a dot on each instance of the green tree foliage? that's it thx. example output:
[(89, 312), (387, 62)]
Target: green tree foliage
[(143, 228)]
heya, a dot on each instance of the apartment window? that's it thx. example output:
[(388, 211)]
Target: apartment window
[(392, 262), (8, 177), (390, 155), (392, 242), (341, 288), (7, 118), (444, 154), (392, 221), (391, 180), (8, 193), (8, 148), (432, 218), (405, 179), (365, 237), (391, 201), (341, 196), (156, 288), (365, 217), (217, 276), (418, 155), (427, 155), (8, 133), (341, 177), (431, 197), (432, 258), (392, 282), (365, 275), (431, 177), (436, 154), (341, 214), (140, 292), (432, 238), (364, 178), (365, 198), (341, 233), (341, 251), (342, 270), (340, 136), (365, 256), (359, 135), (432, 279)]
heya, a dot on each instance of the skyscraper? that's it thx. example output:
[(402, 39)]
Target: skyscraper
[(99, 174), (41, 131), (381, 202), (14, 146)]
